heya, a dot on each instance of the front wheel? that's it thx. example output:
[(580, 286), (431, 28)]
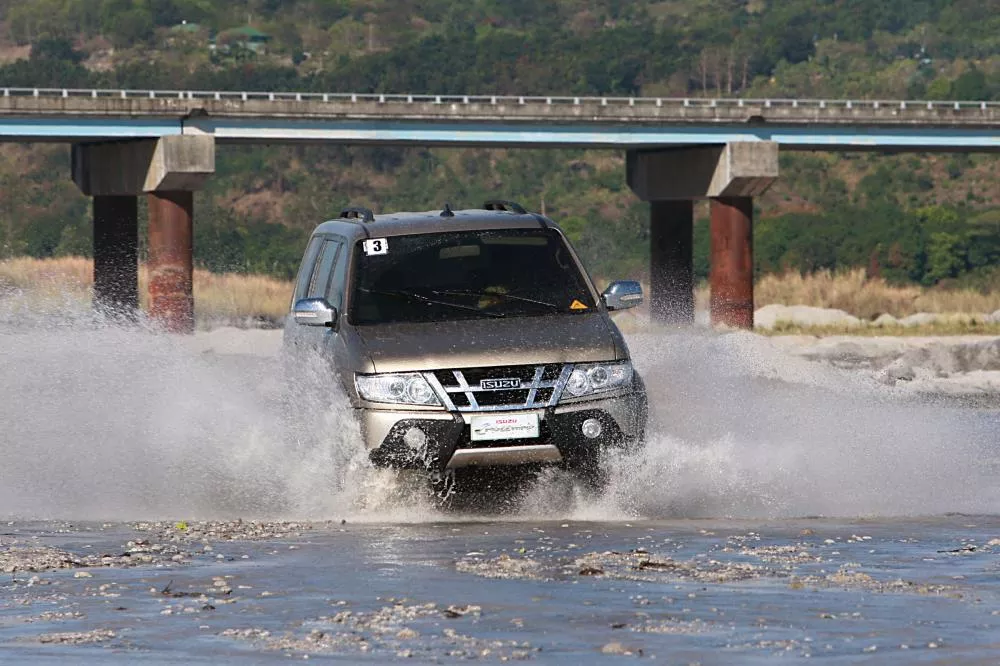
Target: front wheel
[(588, 467)]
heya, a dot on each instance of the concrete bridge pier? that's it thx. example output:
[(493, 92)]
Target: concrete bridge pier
[(671, 180), (171, 259), (116, 267), (168, 170), (731, 273), (671, 277)]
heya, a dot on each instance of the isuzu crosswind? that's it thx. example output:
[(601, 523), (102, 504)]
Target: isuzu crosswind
[(469, 338)]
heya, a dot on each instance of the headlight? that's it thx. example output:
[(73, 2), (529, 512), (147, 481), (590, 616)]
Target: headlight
[(598, 378), (406, 389)]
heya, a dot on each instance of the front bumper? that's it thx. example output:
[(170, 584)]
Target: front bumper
[(448, 442)]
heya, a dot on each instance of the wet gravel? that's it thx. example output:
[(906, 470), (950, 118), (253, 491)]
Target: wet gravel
[(554, 592)]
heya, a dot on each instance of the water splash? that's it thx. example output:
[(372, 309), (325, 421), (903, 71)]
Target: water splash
[(105, 422), (117, 423), (742, 429)]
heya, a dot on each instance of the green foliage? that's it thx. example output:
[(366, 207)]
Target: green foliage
[(971, 85), (946, 256), (928, 245), (225, 242), (904, 216), (56, 48)]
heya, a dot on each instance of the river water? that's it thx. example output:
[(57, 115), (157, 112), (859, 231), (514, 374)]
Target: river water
[(780, 507)]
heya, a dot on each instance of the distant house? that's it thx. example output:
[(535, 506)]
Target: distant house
[(185, 27), (246, 37), (185, 32)]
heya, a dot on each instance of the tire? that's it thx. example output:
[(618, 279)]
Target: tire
[(589, 470)]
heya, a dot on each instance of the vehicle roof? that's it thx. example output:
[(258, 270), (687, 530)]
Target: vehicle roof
[(404, 224)]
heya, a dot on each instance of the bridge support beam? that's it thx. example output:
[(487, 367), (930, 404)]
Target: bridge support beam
[(169, 169), (116, 267), (171, 267), (731, 277), (671, 278), (671, 179)]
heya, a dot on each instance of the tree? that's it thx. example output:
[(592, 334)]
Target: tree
[(970, 85), (946, 257), (939, 89), (127, 23), (56, 48)]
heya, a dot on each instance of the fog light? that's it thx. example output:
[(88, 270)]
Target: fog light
[(415, 438), (591, 428)]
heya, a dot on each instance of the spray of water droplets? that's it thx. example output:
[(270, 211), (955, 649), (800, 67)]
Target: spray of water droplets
[(108, 422)]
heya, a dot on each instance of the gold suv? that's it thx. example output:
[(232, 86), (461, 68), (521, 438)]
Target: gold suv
[(469, 338)]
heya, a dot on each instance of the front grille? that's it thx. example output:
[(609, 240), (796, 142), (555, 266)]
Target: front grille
[(541, 386)]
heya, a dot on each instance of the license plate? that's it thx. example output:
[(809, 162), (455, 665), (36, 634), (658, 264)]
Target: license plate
[(504, 426)]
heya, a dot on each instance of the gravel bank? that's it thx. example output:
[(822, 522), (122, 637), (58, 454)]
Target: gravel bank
[(956, 365)]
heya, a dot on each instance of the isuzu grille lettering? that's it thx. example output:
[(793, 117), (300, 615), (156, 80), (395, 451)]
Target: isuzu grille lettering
[(494, 384)]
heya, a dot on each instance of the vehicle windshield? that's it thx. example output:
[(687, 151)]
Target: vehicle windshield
[(466, 275)]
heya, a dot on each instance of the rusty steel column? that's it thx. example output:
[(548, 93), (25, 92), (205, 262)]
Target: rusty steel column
[(732, 261), (171, 299), (116, 267), (671, 230)]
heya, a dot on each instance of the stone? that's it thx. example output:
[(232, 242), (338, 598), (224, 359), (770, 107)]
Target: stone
[(919, 319), (885, 320), (772, 316), (900, 370), (616, 648)]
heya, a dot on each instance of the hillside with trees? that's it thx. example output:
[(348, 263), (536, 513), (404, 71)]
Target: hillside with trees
[(930, 219)]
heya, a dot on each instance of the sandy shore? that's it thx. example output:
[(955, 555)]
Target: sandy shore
[(949, 365)]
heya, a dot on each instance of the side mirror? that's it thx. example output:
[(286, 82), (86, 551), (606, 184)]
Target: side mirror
[(315, 312), (622, 294)]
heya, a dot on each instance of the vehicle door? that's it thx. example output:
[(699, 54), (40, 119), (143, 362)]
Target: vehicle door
[(318, 282)]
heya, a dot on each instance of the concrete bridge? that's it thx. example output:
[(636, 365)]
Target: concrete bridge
[(162, 144)]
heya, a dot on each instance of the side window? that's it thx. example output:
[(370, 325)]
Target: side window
[(338, 282), (320, 279), (306, 269)]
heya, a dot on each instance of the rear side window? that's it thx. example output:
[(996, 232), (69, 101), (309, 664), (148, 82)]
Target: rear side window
[(306, 269), (338, 279), (322, 273)]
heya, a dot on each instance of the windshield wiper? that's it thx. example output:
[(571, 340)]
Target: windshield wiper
[(413, 296), (475, 292)]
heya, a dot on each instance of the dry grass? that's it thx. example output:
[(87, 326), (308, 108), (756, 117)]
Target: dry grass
[(219, 298), (865, 298), (63, 275), (239, 298), (234, 297)]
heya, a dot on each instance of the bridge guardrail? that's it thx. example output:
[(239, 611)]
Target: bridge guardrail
[(495, 100)]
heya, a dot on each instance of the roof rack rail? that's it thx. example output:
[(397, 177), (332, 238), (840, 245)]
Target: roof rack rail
[(501, 204), (358, 212)]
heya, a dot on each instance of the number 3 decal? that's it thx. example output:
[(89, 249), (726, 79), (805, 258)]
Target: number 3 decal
[(376, 246)]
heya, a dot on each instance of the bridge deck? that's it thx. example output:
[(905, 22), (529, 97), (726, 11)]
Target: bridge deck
[(74, 115)]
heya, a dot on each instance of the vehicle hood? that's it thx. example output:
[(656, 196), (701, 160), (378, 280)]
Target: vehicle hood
[(490, 342)]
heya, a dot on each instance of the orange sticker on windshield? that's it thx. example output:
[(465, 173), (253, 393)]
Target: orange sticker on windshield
[(577, 305)]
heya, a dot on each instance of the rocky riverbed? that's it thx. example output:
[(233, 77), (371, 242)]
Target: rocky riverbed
[(953, 365), (469, 588)]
